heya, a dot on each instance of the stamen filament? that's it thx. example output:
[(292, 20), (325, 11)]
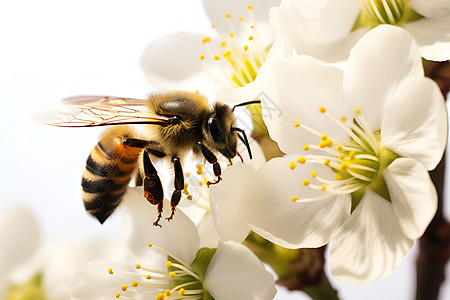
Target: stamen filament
[(181, 267)]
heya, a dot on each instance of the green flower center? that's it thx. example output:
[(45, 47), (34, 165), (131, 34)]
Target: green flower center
[(30, 290), (377, 12), (357, 163)]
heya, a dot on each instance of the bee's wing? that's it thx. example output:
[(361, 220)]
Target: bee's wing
[(85, 111)]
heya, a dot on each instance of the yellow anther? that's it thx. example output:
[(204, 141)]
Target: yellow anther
[(199, 169), (327, 163), (343, 118), (357, 111), (213, 25), (322, 144), (189, 197), (226, 53), (110, 271), (231, 34), (253, 26), (250, 38), (294, 198), (306, 147), (337, 176), (339, 148), (249, 7), (134, 284), (292, 165), (301, 160), (342, 157), (222, 43), (167, 292), (202, 56), (352, 155), (216, 57), (148, 277), (227, 16), (172, 274), (245, 47), (117, 295), (138, 266), (343, 167), (323, 187), (297, 124), (150, 245), (313, 174), (322, 109), (160, 296), (168, 263), (305, 182), (240, 19), (328, 142), (197, 92), (323, 137), (124, 287), (206, 40), (181, 292)]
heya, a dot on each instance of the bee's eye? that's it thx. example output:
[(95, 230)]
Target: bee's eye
[(216, 130)]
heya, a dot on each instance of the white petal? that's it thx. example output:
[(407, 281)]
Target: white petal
[(415, 122), (173, 62), (138, 217), (209, 237), (378, 63), (268, 207), (294, 89), (20, 236), (225, 199), (431, 8), (236, 273), (413, 195), (432, 36), (370, 244)]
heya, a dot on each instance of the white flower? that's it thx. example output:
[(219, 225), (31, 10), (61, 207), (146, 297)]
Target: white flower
[(194, 62), (175, 268), (359, 147), (323, 28)]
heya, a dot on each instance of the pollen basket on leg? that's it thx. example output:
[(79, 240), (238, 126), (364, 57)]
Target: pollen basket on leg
[(354, 161)]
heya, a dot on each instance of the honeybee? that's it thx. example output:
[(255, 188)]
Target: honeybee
[(173, 123)]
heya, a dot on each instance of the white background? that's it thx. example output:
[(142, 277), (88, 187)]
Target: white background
[(53, 49)]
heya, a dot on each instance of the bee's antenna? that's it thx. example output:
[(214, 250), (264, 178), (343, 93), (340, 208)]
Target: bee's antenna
[(243, 139), (247, 103)]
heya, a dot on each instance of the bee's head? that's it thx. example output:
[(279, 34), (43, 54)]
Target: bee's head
[(220, 132)]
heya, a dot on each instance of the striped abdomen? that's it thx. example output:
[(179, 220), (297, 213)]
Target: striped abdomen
[(108, 171)]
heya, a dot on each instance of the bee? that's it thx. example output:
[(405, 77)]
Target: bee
[(173, 123)]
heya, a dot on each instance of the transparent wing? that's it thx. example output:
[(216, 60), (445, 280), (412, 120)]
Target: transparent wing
[(86, 111)]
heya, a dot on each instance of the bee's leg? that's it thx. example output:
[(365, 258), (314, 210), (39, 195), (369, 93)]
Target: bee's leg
[(212, 159), (153, 190), (179, 185)]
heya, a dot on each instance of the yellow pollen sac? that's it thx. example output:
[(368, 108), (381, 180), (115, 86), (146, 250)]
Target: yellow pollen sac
[(313, 174), (167, 292), (240, 19), (339, 148), (168, 263), (301, 160), (160, 296), (138, 266), (305, 182), (199, 169), (323, 137), (216, 57), (327, 163), (172, 274), (250, 38), (213, 25), (245, 47), (124, 287), (202, 56), (343, 166), (357, 111), (352, 154), (181, 292), (323, 187), (227, 16), (337, 176), (222, 43), (189, 197), (343, 118), (253, 26), (134, 284), (249, 7), (297, 124), (292, 165), (226, 53), (294, 198), (117, 295), (110, 271), (148, 277), (206, 40), (306, 147), (322, 109), (342, 157), (231, 34)]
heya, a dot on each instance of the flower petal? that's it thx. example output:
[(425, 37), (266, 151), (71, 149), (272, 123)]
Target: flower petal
[(209, 237), (415, 122), (225, 199), (138, 216), (181, 50), (432, 36), (236, 273), (431, 9), (370, 244), (268, 207), (294, 89), (378, 63), (413, 195)]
